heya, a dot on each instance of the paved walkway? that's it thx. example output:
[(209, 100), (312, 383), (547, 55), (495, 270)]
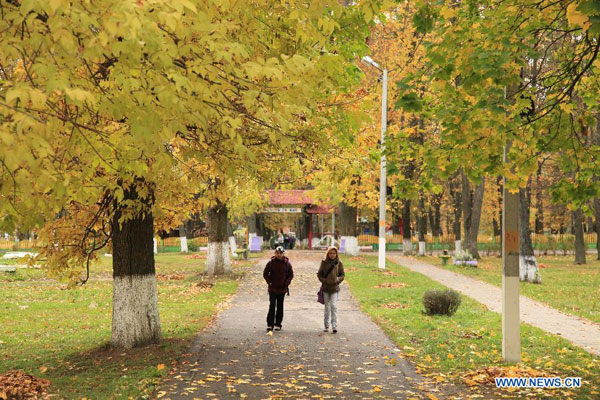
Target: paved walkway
[(235, 358), (579, 331)]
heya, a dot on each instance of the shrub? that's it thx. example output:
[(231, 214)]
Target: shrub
[(444, 302), (464, 255)]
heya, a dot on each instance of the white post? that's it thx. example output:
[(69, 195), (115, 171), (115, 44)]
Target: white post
[(457, 246), (382, 177), (422, 249), (511, 326), (332, 227), (155, 246)]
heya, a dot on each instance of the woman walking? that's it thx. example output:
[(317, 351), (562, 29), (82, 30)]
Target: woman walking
[(331, 274)]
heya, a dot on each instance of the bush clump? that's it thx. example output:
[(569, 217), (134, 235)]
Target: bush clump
[(444, 302)]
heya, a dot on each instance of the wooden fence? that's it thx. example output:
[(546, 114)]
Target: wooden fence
[(172, 242), (8, 244), (565, 242)]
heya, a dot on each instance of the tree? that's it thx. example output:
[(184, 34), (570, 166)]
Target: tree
[(579, 239), (528, 266), (456, 194), (476, 53), (107, 109), (218, 258), (135, 302), (472, 201), (421, 224)]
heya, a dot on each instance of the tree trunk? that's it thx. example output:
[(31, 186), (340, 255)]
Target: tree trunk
[(376, 225), (431, 217), (305, 228), (218, 261), (437, 216), (406, 232), (348, 228), (251, 222), (539, 204), (395, 222), (422, 224), (579, 240), (597, 225), (528, 266), (135, 319), (183, 239), (596, 201), (497, 222), (348, 217), (472, 203), (455, 193), (260, 225), (500, 208)]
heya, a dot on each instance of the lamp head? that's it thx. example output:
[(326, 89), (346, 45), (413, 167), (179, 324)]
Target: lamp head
[(369, 61)]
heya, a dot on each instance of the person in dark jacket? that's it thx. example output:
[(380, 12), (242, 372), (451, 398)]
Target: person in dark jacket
[(279, 274), (331, 274)]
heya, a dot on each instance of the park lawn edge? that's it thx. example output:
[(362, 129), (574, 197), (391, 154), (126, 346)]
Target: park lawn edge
[(186, 308), (449, 348), (552, 296)]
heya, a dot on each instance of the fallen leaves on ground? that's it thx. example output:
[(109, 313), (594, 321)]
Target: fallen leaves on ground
[(196, 256), (470, 335), (395, 285), (394, 306), (169, 277), (204, 285), (488, 374), (20, 385)]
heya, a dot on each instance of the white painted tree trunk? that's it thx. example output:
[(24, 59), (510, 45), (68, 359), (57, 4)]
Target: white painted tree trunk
[(529, 270), (407, 246), (218, 260), (351, 245), (232, 246), (421, 248), (135, 319), (457, 246), (183, 243), (155, 245)]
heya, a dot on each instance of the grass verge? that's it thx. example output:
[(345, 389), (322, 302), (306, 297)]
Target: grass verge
[(467, 344), (62, 334), (574, 289)]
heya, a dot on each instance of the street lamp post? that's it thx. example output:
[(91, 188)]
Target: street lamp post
[(382, 176)]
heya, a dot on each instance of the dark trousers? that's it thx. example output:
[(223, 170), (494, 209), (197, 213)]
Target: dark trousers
[(274, 318)]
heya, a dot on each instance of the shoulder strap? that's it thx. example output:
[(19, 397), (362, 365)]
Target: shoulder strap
[(330, 269)]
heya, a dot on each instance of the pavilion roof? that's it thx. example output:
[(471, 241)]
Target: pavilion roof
[(289, 197)]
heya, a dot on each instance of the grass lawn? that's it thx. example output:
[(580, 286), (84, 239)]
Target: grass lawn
[(467, 346), (574, 289), (62, 334)]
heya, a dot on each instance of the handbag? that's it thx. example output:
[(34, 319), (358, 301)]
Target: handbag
[(320, 297)]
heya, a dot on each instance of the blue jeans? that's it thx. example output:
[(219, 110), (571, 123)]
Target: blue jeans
[(330, 308)]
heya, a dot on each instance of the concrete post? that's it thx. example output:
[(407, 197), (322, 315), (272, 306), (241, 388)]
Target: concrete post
[(511, 325)]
